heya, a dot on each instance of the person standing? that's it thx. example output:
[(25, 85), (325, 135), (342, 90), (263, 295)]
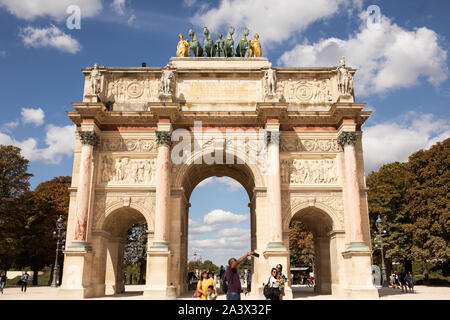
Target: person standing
[(283, 279), (223, 280), (410, 281), (205, 282), (25, 277), (2, 281), (274, 284), (135, 279), (233, 280), (131, 278)]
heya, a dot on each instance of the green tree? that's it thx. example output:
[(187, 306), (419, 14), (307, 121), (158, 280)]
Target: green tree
[(56, 191), (301, 244), (208, 265), (428, 197), (136, 248), (14, 181), (39, 218), (387, 199)]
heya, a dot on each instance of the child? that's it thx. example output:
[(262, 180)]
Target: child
[(211, 295)]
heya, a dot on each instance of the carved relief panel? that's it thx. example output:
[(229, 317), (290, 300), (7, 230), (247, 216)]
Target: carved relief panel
[(294, 144), (132, 90), (306, 91), (132, 145), (310, 171), (123, 170)]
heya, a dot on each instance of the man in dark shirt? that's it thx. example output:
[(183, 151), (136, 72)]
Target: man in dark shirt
[(234, 282)]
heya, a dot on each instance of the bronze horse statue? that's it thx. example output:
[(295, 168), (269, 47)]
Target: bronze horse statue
[(229, 43), (208, 44), (196, 47), (243, 45)]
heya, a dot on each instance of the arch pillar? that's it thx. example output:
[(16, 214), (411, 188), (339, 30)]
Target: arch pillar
[(158, 254), (358, 256)]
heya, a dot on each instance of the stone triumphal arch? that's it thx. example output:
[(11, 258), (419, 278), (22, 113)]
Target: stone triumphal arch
[(146, 136)]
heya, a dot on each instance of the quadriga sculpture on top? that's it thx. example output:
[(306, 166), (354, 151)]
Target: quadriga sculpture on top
[(221, 48)]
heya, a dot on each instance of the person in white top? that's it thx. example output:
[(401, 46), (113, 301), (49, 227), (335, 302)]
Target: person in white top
[(274, 283)]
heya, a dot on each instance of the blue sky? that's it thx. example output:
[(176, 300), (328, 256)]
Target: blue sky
[(402, 68)]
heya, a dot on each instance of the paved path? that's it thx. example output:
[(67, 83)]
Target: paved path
[(134, 292)]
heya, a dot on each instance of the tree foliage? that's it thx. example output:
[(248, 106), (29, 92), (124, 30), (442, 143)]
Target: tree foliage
[(387, 199), (428, 196), (136, 248), (14, 181), (301, 244)]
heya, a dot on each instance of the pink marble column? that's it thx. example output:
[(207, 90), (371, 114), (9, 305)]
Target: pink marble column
[(89, 140), (274, 189), (162, 189), (347, 139)]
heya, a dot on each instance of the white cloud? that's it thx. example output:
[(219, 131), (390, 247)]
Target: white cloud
[(198, 228), (59, 141), (232, 184), (274, 21), (387, 56), (189, 3), (221, 217), (206, 182), (395, 141), (35, 116), (49, 37), (233, 232), (10, 125), (31, 9), (119, 7), (3, 53)]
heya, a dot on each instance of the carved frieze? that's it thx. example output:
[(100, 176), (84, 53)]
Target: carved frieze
[(133, 90), (302, 171), (293, 144), (132, 145), (123, 170), (306, 91)]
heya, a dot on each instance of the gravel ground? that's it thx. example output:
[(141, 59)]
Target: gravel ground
[(134, 292)]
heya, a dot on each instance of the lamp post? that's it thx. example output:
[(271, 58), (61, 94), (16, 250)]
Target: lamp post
[(60, 245), (379, 245)]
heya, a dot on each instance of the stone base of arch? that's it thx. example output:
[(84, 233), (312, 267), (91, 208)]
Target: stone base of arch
[(158, 265), (358, 269), (77, 275)]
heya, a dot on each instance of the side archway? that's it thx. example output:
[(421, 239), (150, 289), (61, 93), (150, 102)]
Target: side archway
[(321, 224)]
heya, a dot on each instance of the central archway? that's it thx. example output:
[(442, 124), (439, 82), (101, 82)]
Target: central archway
[(190, 175)]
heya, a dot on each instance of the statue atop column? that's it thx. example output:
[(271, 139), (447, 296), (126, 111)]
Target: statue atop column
[(255, 47), (95, 85), (270, 83), (165, 92), (183, 47), (344, 79)]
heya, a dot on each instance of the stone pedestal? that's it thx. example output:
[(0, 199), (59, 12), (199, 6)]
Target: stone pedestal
[(158, 286), (358, 270), (77, 282)]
